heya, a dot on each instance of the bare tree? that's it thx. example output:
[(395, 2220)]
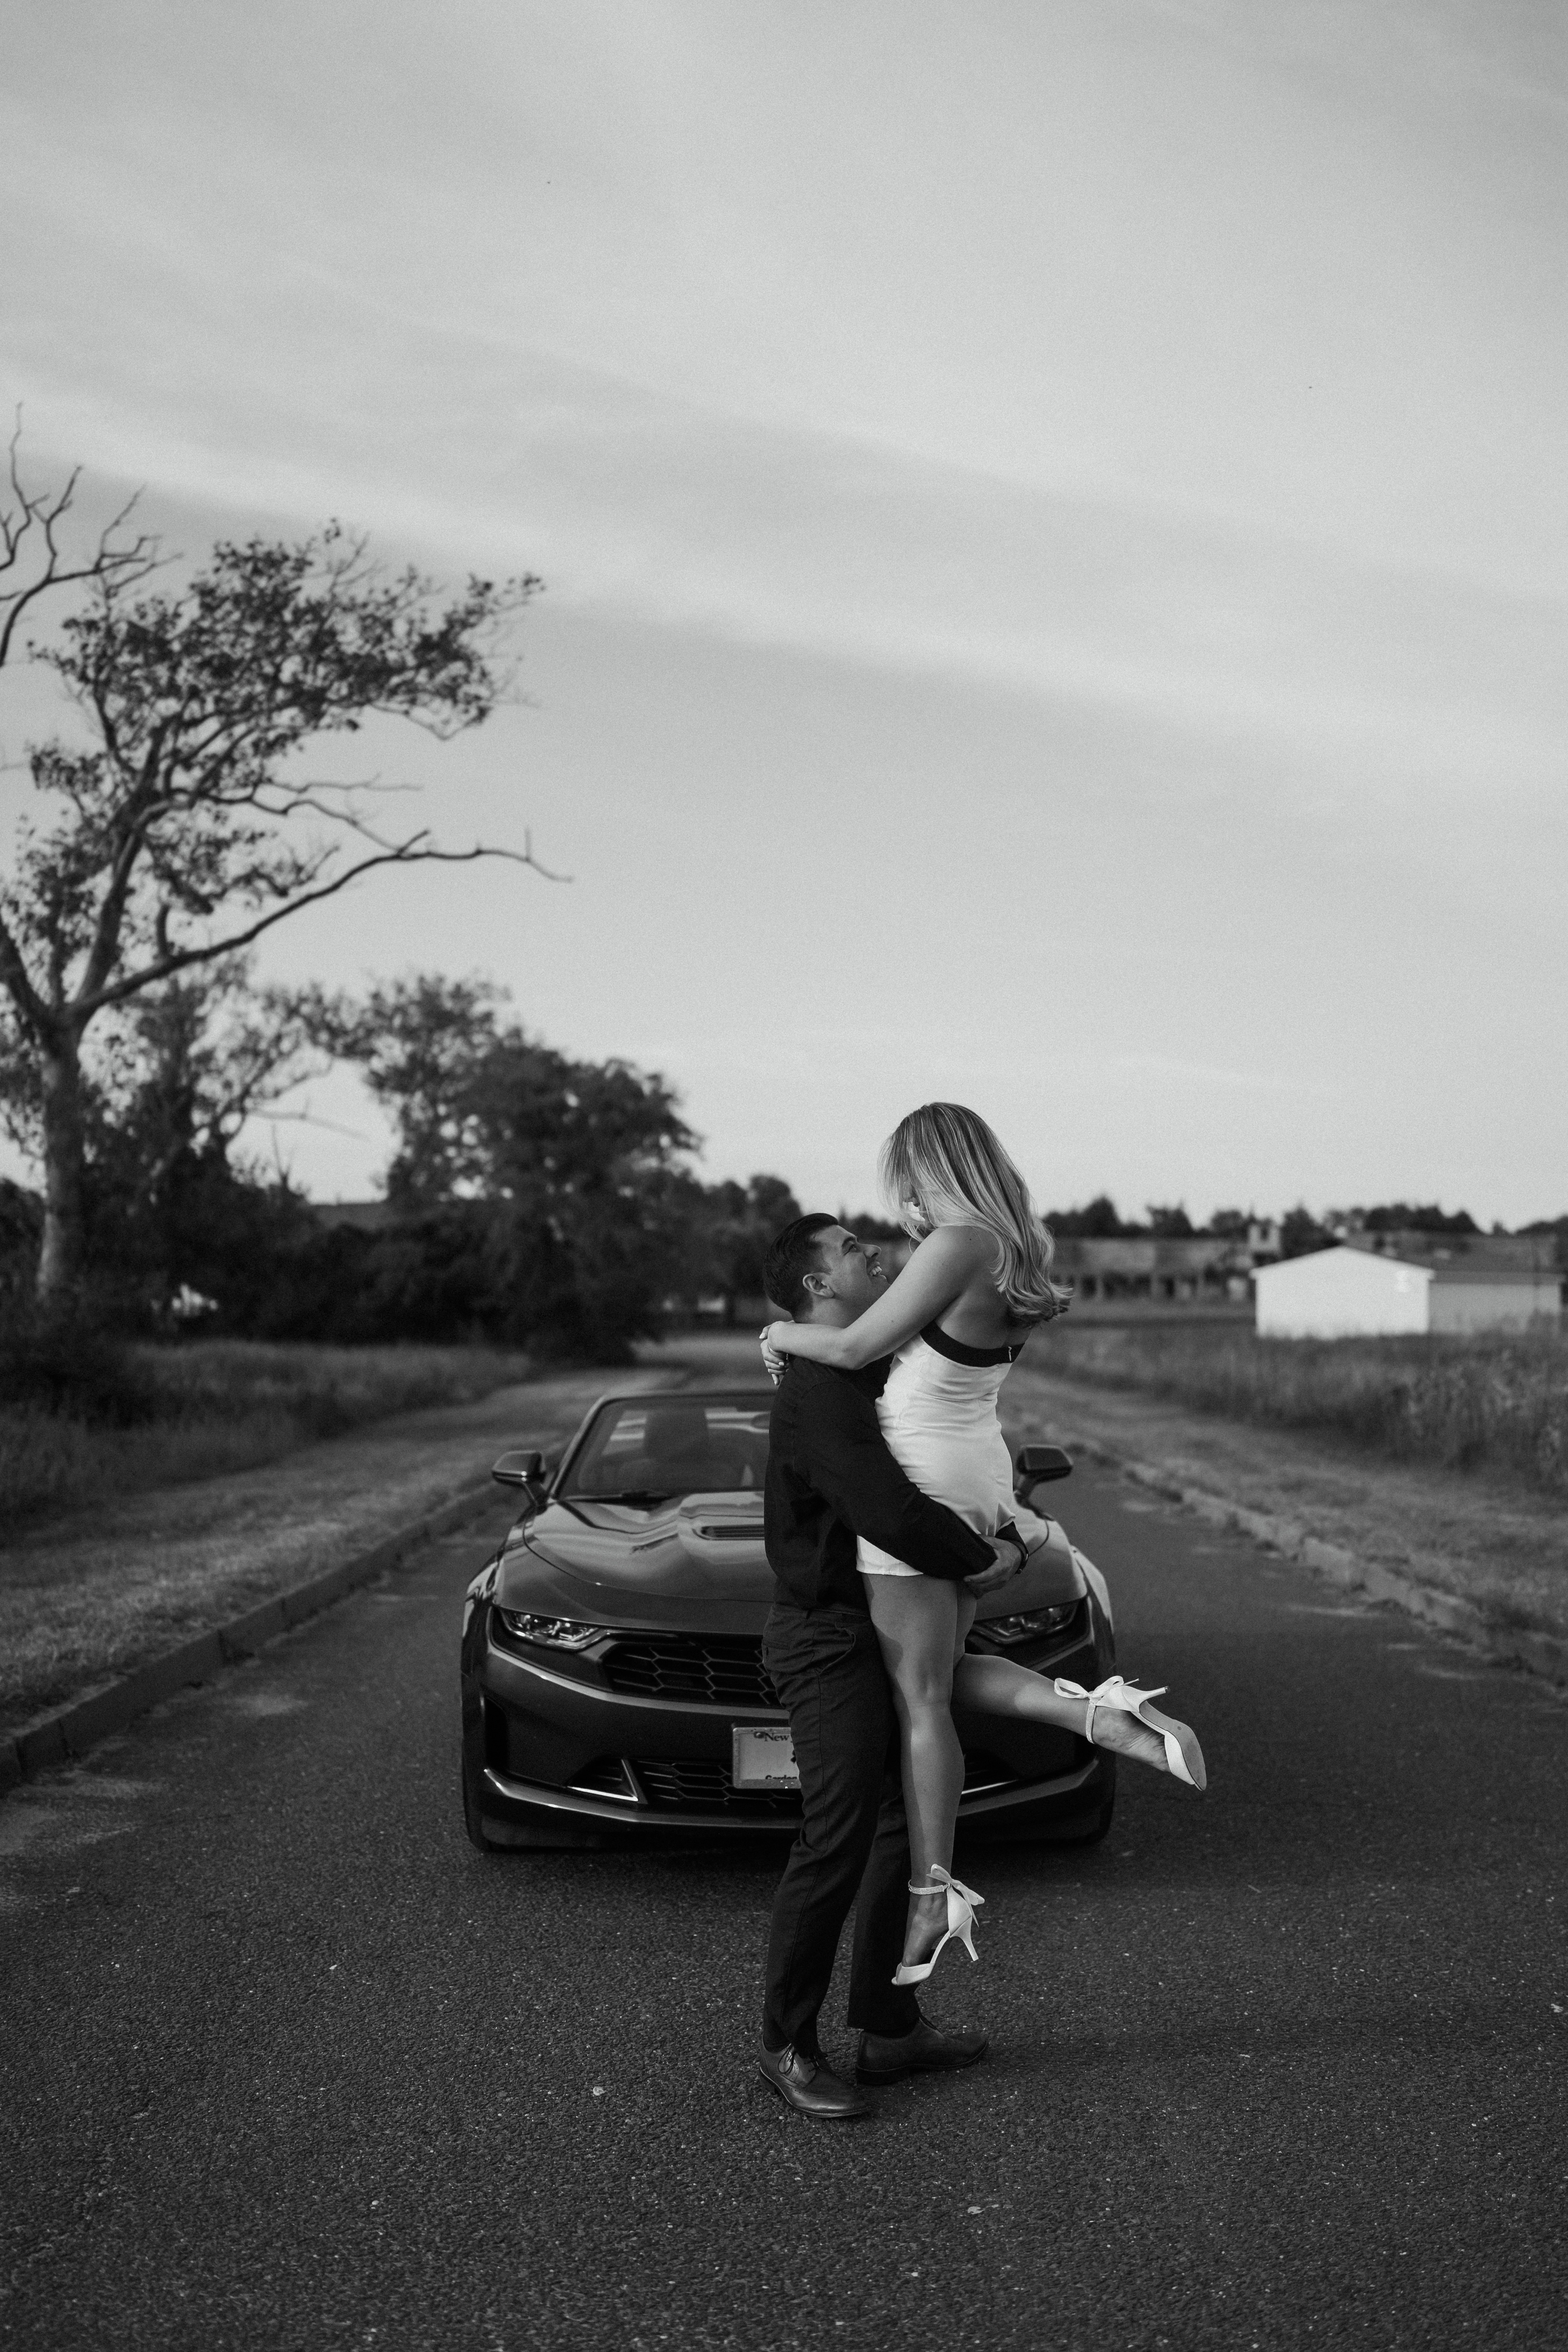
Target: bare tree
[(33, 560), (187, 828)]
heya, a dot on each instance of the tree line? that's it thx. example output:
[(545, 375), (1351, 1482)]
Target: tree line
[(533, 1197), (1301, 1229)]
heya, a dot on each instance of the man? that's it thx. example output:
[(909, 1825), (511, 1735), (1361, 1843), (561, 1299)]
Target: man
[(830, 1480)]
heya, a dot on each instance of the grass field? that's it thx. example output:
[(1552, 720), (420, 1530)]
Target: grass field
[(227, 1404), (1496, 1404)]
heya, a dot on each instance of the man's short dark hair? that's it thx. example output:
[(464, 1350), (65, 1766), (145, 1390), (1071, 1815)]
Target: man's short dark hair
[(792, 1255)]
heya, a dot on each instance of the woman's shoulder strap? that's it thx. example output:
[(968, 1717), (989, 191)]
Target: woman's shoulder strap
[(958, 1351)]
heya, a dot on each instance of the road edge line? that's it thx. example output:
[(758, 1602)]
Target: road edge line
[(1529, 1647), (66, 1732)]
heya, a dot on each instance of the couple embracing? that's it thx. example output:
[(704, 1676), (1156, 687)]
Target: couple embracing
[(889, 1510)]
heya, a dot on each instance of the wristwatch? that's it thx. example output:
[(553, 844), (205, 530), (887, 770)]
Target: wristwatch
[(1007, 1532)]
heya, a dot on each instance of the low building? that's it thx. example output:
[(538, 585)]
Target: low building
[(1349, 1291), (1204, 1266)]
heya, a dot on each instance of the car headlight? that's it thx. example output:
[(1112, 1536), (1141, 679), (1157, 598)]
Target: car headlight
[(1030, 1626), (550, 1632)]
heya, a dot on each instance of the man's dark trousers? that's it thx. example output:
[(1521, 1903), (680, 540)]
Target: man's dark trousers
[(828, 1669)]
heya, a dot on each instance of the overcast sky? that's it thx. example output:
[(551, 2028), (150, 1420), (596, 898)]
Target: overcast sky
[(1053, 517)]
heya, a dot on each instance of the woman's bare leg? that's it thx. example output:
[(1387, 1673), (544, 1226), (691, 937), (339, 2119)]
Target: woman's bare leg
[(1002, 1686), (921, 1622)]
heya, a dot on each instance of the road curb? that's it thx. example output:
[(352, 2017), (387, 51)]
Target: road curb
[(1537, 1651), (69, 1731)]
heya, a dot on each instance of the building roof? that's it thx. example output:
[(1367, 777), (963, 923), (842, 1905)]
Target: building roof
[(1144, 1253), (1371, 1264), (1488, 1269), (1487, 1253)]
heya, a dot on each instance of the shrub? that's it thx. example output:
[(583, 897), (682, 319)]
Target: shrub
[(205, 1407), (46, 1462), (62, 1361)]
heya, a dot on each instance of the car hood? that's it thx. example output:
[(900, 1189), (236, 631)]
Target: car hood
[(702, 1547), (603, 1559)]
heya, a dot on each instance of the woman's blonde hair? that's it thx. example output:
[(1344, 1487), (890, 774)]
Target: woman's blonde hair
[(947, 1166)]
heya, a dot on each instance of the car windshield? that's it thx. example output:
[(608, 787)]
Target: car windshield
[(645, 1449)]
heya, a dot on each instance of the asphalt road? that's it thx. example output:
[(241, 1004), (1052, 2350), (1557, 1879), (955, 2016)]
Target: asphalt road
[(288, 2065)]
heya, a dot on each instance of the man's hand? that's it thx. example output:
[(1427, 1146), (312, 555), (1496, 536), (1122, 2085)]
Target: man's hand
[(1005, 1563)]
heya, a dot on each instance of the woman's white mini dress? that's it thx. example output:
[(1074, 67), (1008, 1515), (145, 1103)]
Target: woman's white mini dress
[(937, 1412)]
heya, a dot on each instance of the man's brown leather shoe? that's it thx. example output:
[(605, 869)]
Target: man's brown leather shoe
[(924, 2050), (805, 2085)]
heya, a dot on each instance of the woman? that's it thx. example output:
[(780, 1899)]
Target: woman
[(954, 1321)]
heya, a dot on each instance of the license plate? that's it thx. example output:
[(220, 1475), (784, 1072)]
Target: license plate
[(762, 1757)]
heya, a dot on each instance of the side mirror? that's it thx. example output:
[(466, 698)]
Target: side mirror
[(1035, 1463), (520, 1469)]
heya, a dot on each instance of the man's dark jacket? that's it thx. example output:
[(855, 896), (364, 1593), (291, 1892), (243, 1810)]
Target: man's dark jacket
[(831, 1478)]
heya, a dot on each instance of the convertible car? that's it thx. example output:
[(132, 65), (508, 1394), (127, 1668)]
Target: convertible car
[(613, 1684)]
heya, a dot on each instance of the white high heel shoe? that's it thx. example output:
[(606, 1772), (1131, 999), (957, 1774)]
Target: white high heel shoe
[(961, 1905), (1184, 1757)]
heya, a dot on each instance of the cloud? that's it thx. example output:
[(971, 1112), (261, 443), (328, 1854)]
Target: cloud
[(633, 501)]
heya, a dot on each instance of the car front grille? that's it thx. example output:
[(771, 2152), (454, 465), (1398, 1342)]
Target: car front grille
[(605, 1777), (694, 1785), (709, 1669)]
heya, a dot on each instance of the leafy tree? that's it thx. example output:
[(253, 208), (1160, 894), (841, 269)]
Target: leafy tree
[(21, 1222), (187, 828), (1098, 1221), (419, 1042), (1398, 1216), (1300, 1233), (567, 1176), (172, 1079), (870, 1227), (582, 1155), (742, 1220), (429, 1275), (1550, 1226), (166, 1201), (1171, 1224)]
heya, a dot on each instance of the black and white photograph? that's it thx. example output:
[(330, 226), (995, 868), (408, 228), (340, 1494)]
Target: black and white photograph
[(783, 1175)]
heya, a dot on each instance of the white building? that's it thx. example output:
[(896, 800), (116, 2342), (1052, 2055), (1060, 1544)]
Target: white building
[(1337, 1293)]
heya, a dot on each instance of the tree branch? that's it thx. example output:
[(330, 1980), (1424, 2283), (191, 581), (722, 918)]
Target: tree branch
[(112, 561), (18, 984), (409, 855)]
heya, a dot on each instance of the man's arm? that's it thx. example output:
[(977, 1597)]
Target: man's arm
[(845, 1456), (935, 1274)]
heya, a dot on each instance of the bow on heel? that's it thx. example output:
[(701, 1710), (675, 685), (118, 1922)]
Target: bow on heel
[(961, 1905), (1184, 1757)]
